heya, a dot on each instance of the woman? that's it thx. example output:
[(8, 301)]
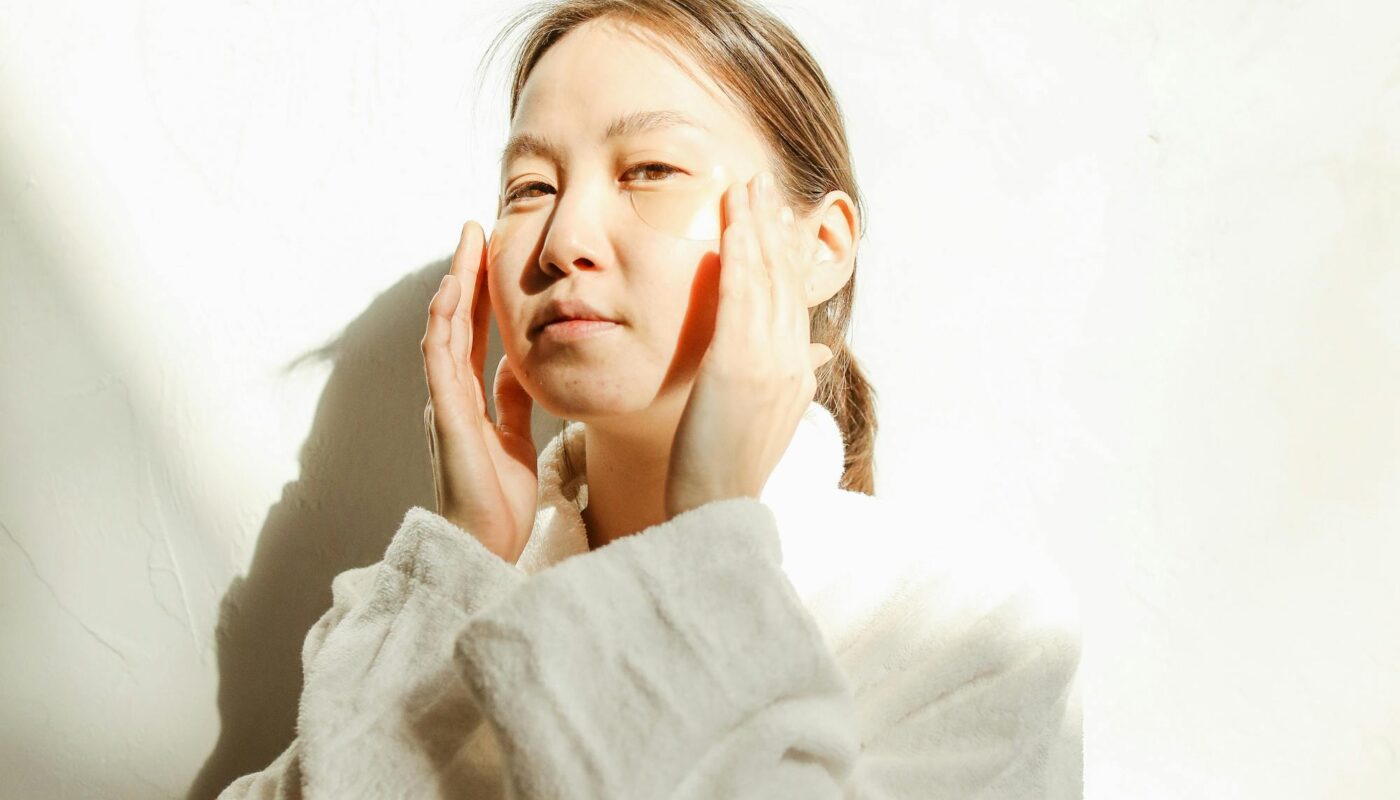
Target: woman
[(692, 592)]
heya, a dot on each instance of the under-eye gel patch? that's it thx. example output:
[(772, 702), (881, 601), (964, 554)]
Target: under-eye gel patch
[(686, 206)]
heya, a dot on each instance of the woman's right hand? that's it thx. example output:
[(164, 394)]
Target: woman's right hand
[(484, 473)]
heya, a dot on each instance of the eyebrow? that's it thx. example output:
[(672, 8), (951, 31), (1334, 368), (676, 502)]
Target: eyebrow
[(529, 144)]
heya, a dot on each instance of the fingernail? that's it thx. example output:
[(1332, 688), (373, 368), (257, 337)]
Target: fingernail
[(765, 180), (787, 214)]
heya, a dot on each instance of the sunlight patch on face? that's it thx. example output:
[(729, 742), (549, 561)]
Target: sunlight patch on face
[(686, 207)]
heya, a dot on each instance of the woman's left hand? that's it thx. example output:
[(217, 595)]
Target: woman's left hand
[(757, 377)]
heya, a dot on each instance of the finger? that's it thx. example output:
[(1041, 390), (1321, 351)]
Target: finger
[(773, 255), (753, 207), (819, 355), (465, 270), (438, 364), (792, 241), (759, 285), (735, 290), (481, 318), (513, 403)]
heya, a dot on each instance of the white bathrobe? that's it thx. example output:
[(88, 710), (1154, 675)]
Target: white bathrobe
[(813, 643)]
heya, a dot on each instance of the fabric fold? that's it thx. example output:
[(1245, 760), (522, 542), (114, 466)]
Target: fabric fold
[(382, 712), (620, 672)]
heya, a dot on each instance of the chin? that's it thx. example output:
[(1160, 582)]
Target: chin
[(587, 394), (594, 397)]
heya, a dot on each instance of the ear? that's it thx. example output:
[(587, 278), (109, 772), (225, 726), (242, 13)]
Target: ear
[(830, 234)]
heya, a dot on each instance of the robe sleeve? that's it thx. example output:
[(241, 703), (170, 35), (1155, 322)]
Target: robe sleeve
[(382, 710), (681, 663)]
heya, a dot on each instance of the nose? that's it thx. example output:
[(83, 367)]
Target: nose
[(577, 230)]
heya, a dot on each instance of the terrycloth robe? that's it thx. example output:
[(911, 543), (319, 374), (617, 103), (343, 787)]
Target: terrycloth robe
[(812, 643)]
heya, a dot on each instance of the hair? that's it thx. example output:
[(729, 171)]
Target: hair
[(760, 64)]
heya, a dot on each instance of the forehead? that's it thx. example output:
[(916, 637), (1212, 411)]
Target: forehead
[(605, 71)]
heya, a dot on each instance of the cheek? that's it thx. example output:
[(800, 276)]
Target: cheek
[(506, 304), (692, 320), (505, 238)]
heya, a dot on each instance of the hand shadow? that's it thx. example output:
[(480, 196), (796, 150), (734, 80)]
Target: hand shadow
[(363, 465)]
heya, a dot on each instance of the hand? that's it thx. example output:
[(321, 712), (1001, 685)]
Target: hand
[(484, 473), (758, 375)]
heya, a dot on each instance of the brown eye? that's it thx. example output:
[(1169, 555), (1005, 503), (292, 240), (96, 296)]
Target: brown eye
[(518, 192), (652, 168)]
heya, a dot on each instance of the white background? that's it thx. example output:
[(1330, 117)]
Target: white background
[(1131, 282)]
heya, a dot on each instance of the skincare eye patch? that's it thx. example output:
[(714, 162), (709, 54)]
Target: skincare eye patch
[(681, 206), (684, 206)]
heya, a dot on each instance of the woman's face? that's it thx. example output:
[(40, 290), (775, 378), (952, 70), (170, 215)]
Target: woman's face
[(624, 218)]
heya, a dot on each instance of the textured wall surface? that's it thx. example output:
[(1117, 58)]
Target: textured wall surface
[(1131, 284)]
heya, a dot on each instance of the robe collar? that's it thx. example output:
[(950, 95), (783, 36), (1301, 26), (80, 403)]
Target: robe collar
[(808, 471)]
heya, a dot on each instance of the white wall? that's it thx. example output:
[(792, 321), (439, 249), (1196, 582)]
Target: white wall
[(1131, 284)]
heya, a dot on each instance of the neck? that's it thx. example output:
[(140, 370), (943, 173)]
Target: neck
[(626, 475)]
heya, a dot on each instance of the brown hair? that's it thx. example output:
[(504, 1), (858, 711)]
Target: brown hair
[(758, 61)]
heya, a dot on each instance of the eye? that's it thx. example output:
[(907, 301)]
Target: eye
[(651, 167), (518, 192)]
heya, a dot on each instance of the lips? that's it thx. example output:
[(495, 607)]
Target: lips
[(565, 309)]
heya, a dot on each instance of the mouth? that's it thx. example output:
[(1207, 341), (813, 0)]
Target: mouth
[(540, 328), (574, 329), (568, 311)]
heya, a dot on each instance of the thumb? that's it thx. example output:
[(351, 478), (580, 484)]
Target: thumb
[(513, 403), (819, 354)]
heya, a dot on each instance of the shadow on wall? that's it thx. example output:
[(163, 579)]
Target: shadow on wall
[(364, 464)]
